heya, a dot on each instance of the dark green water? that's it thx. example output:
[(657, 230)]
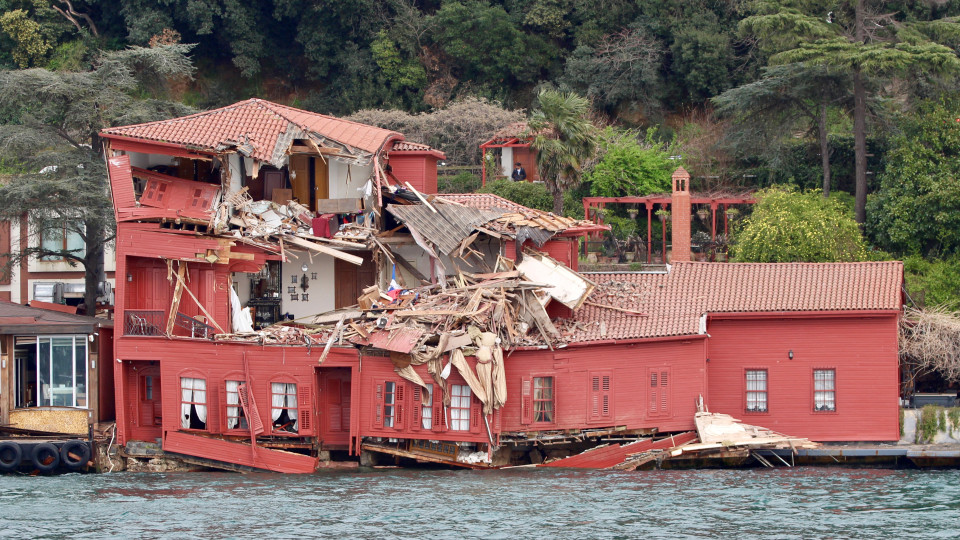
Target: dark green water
[(779, 503)]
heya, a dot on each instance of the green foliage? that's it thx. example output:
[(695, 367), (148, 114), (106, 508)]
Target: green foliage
[(933, 282), (628, 167), (32, 46), (901, 422), (463, 182), (402, 73), (932, 420), (534, 195), (791, 226), (917, 210)]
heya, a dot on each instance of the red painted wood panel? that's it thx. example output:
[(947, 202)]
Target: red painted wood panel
[(420, 171), (238, 453), (863, 351), (121, 184), (608, 456), (5, 248)]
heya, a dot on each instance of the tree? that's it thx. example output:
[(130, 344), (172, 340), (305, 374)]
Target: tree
[(853, 35), (50, 128), (917, 210), (628, 167), (784, 98), (791, 226), (564, 138)]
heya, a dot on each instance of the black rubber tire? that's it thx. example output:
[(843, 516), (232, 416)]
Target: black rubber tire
[(11, 454), (45, 457), (78, 448)]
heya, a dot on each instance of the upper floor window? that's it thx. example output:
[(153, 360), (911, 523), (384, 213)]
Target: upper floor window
[(60, 240), (756, 397), (824, 390), (284, 407), (193, 403)]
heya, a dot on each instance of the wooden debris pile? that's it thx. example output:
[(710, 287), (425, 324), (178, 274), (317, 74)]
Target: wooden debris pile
[(275, 227)]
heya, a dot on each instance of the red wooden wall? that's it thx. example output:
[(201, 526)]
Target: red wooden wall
[(419, 170), (563, 249), (863, 351), (633, 402)]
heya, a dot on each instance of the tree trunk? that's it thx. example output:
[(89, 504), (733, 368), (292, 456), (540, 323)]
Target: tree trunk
[(93, 266), (557, 201), (824, 148), (860, 126)]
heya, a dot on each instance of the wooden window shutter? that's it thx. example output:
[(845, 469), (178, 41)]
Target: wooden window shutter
[(399, 403), (600, 397), (222, 406), (415, 408), (438, 420), (378, 406), (304, 410), (213, 408), (654, 394), (476, 411), (605, 389), (664, 391), (526, 403), (132, 382)]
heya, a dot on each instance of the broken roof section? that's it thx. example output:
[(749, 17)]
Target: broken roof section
[(264, 131)]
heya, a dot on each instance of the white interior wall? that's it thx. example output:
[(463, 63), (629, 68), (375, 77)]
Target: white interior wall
[(320, 292), (346, 181)]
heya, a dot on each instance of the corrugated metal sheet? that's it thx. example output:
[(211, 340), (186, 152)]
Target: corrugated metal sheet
[(446, 227)]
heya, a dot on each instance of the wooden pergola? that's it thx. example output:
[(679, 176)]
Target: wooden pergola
[(597, 204)]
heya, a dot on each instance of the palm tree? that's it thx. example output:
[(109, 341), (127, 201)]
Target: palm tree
[(564, 138)]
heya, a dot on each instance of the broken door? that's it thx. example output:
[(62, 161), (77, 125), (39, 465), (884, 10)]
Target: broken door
[(335, 408)]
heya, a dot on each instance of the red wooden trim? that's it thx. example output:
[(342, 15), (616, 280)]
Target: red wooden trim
[(144, 146), (239, 453), (822, 314)]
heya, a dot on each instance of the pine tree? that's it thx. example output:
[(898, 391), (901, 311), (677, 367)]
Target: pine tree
[(49, 131), (858, 36)]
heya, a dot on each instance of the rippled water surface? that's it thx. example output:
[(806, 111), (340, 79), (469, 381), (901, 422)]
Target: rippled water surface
[(779, 503)]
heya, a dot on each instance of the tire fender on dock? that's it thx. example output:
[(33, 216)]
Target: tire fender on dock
[(11, 454), (75, 454), (45, 457)]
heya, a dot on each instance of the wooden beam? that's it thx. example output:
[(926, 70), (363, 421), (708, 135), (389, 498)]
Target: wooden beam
[(177, 294), (297, 241)]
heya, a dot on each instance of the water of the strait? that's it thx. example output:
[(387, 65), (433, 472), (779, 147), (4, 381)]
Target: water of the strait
[(804, 502)]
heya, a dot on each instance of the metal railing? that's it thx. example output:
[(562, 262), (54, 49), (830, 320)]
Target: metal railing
[(143, 322), (195, 328)]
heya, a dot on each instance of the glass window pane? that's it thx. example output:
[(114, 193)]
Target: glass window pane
[(80, 381), (43, 372)]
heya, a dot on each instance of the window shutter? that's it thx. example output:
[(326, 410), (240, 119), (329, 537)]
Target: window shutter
[(438, 419), (526, 403), (222, 405), (605, 387), (594, 397), (213, 408), (304, 410), (664, 392), (132, 382), (378, 406), (415, 408), (654, 394), (399, 405), (476, 411), (600, 403)]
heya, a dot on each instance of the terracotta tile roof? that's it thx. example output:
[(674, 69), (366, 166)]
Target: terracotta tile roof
[(261, 123), (675, 301), (485, 201)]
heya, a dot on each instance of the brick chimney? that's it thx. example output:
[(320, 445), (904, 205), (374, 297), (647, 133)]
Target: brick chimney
[(680, 215)]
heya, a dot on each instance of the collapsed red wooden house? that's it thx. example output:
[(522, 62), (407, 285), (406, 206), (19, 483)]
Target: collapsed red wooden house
[(473, 349)]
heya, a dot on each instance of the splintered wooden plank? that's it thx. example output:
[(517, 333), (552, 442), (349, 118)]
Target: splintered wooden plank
[(353, 259)]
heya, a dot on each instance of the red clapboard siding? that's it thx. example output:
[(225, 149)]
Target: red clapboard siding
[(420, 171), (862, 350), (238, 453)]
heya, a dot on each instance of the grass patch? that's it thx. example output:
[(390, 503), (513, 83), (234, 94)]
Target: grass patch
[(931, 421)]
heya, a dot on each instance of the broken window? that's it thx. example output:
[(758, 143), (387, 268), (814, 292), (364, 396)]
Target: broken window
[(235, 416), (51, 371), (193, 403), (460, 397), (756, 390), (824, 390), (284, 410), (543, 406)]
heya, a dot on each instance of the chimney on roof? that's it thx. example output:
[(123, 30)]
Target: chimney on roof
[(680, 215)]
